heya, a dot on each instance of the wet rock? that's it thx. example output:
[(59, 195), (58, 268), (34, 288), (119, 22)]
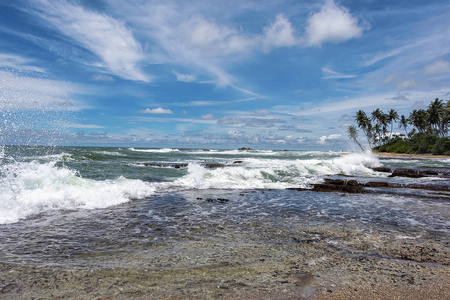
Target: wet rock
[(244, 149), (341, 182), (382, 169), (166, 165), (182, 165), (339, 185), (377, 184), (213, 166), (217, 200), (407, 173)]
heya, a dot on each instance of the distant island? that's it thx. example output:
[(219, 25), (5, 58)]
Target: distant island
[(426, 131)]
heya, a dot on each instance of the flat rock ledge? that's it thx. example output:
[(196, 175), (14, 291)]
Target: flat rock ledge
[(353, 186)]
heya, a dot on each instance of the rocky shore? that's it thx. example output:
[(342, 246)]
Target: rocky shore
[(249, 260), (296, 254), (296, 264)]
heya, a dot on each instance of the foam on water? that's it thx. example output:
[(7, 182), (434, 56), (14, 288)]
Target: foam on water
[(276, 174), (28, 188), (163, 150)]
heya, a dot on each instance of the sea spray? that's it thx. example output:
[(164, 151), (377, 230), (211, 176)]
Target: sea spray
[(28, 188), (257, 173)]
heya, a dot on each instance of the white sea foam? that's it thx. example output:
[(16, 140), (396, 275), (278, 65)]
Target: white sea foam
[(31, 188), (256, 173), (110, 153), (163, 150)]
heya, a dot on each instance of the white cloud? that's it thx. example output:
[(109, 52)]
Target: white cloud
[(185, 77), (250, 122), (262, 112), (169, 120), (331, 137), (158, 110), (279, 34), (191, 36), (332, 23), (329, 74), (108, 38), (18, 63), (401, 82), (208, 117), (438, 67)]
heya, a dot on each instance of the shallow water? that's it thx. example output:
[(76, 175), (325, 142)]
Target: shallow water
[(106, 208)]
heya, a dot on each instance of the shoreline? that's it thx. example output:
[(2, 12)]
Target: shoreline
[(406, 155), (270, 258)]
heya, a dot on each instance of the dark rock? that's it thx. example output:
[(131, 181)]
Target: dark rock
[(338, 188), (238, 162), (217, 200), (213, 166), (341, 182), (406, 173), (167, 165), (382, 169), (245, 149), (429, 172), (377, 184)]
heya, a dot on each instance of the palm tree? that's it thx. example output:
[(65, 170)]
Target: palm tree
[(353, 134), (384, 122), (375, 117), (403, 124), (392, 117), (446, 118), (435, 112), (418, 118), (364, 123)]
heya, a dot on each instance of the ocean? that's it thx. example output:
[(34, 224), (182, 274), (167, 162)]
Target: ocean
[(188, 212)]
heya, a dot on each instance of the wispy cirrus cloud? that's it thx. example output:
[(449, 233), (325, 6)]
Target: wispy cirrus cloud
[(330, 74), (108, 38), (19, 63)]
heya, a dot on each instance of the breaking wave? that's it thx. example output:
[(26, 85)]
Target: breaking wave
[(28, 188)]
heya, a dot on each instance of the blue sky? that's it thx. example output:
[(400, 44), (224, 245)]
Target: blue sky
[(266, 74)]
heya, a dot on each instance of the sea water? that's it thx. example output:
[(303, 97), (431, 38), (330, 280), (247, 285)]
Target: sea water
[(60, 202)]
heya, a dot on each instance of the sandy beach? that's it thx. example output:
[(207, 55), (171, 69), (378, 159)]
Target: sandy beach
[(422, 156)]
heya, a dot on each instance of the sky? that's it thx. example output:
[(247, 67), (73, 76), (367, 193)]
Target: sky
[(269, 74)]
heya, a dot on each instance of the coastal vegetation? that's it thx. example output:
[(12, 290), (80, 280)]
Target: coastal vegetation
[(425, 130)]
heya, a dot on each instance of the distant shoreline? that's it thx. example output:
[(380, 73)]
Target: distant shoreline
[(425, 155)]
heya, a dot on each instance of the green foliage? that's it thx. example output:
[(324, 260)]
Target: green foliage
[(428, 134), (442, 146)]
